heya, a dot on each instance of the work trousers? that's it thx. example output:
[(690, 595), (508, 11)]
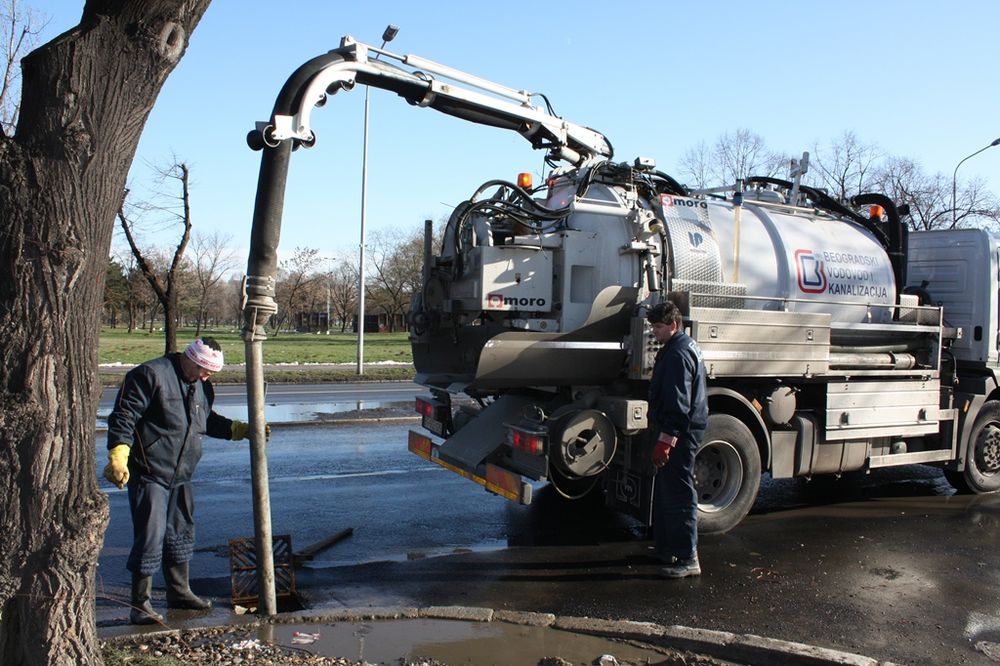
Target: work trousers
[(675, 501), (162, 525)]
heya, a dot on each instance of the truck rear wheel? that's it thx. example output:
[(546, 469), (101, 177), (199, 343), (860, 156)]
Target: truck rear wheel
[(727, 474), (982, 454)]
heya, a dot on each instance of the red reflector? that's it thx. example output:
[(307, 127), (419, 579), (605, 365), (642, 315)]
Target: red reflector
[(420, 445), (424, 408), (504, 483)]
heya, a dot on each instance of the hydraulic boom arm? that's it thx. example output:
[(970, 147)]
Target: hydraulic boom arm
[(427, 84)]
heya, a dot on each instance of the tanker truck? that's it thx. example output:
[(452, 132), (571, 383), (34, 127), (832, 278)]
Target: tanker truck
[(834, 341), (820, 358)]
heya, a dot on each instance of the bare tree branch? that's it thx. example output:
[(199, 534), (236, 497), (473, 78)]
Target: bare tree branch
[(846, 166), (167, 288), (19, 30)]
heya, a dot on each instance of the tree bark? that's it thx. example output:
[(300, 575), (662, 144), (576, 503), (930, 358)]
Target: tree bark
[(86, 96)]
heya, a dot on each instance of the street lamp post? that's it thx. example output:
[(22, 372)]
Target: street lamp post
[(954, 181), (387, 36)]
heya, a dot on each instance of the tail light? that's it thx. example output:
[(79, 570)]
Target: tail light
[(424, 407), (436, 414), (526, 439)]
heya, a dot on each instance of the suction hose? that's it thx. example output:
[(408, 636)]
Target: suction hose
[(259, 304)]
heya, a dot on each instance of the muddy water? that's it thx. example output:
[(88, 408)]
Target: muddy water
[(456, 642)]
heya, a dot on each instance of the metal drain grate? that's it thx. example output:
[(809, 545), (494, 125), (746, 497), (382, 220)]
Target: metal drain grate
[(243, 570)]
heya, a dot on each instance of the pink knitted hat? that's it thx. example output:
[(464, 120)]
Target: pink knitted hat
[(205, 356)]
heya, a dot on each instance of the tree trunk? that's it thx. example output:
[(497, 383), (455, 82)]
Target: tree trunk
[(86, 96), (170, 319)]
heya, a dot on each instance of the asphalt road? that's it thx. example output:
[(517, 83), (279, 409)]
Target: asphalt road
[(890, 565)]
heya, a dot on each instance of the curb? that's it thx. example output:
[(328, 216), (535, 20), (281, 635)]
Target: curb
[(746, 648)]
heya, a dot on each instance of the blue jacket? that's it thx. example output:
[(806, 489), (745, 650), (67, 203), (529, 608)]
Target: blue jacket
[(162, 418), (678, 398)]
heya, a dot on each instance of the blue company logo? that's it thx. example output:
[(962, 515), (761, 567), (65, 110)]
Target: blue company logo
[(811, 272), (695, 238)]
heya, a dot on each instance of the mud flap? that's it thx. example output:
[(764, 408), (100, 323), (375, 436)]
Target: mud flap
[(482, 436)]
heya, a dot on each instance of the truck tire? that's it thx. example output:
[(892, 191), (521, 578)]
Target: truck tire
[(982, 454), (727, 474)]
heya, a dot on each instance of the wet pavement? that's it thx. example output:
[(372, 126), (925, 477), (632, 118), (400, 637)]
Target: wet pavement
[(912, 580), (891, 565)]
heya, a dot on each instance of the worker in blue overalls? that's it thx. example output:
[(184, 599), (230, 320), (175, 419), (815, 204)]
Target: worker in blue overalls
[(154, 444), (678, 411)]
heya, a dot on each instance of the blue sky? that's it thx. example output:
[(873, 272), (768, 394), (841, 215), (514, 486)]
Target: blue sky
[(657, 77)]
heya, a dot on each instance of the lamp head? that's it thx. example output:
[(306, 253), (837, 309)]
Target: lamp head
[(996, 142), (392, 30)]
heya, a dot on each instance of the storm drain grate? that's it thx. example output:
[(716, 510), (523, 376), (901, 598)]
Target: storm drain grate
[(243, 570)]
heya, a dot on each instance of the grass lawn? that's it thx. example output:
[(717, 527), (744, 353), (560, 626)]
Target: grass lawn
[(117, 346), (128, 349)]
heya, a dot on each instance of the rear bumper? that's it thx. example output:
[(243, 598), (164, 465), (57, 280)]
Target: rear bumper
[(496, 480)]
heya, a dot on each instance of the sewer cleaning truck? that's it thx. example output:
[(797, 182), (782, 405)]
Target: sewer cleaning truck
[(834, 340)]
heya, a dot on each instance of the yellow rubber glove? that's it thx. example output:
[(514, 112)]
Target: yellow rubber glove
[(241, 430), (117, 470)]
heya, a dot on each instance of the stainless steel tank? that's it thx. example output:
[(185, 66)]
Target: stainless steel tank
[(774, 257)]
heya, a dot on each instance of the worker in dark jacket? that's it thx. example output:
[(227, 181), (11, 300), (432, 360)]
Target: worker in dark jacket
[(678, 411), (154, 444)]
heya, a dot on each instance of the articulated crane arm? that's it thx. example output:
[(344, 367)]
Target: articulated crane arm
[(420, 82), (427, 84)]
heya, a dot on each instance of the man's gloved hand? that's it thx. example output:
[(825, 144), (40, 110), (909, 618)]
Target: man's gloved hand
[(241, 430), (117, 470), (661, 450)]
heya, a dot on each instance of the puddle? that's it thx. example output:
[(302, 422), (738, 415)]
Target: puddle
[(453, 642), (297, 412)]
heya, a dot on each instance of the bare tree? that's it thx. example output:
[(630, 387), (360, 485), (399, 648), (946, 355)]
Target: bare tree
[(342, 281), (167, 286), (741, 154), (212, 260), (846, 166), (929, 197), (732, 157), (904, 181), (85, 97), (397, 261), (296, 278), (695, 166), (19, 29), (975, 205), (233, 295), (140, 295)]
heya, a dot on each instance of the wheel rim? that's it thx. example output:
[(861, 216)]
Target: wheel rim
[(987, 456), (718, 475)]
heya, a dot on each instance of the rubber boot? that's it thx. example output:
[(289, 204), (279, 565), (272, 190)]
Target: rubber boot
[(179, 594), (142, 610)]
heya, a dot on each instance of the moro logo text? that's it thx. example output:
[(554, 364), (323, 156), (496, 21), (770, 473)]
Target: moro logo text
[(668, 200), (502, 302)]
